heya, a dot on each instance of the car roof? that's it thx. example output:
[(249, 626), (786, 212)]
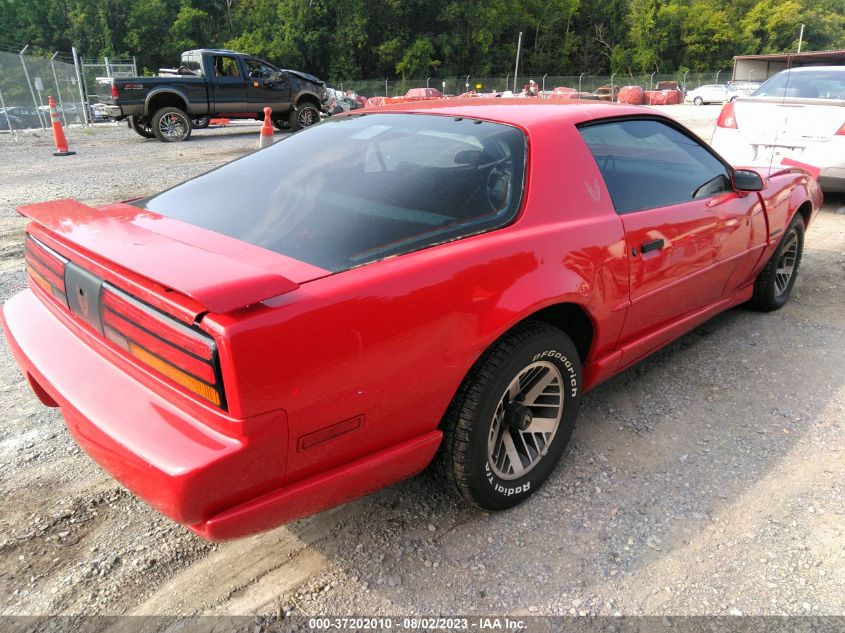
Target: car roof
[(804, 69), (523, 112)]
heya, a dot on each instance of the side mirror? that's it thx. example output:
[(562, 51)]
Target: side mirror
[(747, 180)]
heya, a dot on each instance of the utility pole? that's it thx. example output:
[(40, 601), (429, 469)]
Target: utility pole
[(800, 38), (516, 68)]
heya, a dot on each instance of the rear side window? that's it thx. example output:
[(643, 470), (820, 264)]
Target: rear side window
[(648, 164), (226, 66), (805, 84), (356, 189)]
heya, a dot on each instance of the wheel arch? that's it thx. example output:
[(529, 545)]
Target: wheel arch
[(572, 319), (164, 98), (307, 97)]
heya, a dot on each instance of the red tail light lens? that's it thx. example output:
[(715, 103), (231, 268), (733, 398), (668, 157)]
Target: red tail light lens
[(727, 118), (183, 355), (114, 92), (46, 268), (841, 131)]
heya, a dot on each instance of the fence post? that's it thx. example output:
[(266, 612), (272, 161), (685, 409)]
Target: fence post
[(543, 89), (63, 119), (612, 96), (31, 90), (8, 120), (108, 68), (83, 103), (134, 67)]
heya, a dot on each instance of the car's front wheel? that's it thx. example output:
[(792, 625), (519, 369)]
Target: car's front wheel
[(171, 125), (303, 115), (775, 282), (512, 418)]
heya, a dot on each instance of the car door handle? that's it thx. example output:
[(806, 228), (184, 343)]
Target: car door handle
[(651, 246)]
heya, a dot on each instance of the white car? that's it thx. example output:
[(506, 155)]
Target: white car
[(711, 93), (798, 114)]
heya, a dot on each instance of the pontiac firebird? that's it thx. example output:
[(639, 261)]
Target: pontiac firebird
[(432, 283)]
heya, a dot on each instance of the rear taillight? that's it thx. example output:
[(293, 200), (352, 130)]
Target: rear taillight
[(841, 131), (727, 118), (46, 268), (184, 355), (114, 92)]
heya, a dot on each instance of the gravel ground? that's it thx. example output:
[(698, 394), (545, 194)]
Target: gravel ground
[(708, 479)]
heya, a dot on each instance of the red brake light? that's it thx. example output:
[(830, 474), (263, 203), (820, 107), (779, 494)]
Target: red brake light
[(727, 118), (46, 268), (114, 92), (841, 131), (185, 356)]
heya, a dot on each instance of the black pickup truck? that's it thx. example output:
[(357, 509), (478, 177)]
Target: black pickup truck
[(209, 83)]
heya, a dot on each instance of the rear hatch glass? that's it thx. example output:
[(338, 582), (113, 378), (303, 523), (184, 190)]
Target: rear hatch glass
[(356, 189)]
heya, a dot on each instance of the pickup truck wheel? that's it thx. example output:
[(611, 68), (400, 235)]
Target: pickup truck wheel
[(200, 122), (171, 125), (511, 419), (141, 125), (774, 283), (304, 115)]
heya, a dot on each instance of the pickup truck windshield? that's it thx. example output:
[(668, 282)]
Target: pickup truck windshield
[(805, 84), (356, 189)]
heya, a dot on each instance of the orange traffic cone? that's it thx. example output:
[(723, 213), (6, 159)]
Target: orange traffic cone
[(58, 132), (266, 138)]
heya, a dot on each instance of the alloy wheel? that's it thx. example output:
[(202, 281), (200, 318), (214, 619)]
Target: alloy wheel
[(526, 419), (307, 116), (172, 127), (786, 262)]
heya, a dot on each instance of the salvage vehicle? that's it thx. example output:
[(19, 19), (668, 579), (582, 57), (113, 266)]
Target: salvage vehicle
[(213, 83), (299, 327), (798, 114)]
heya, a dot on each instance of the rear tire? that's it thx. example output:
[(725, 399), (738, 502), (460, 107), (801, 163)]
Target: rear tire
[(281, 124), (171, 125), (774, 284), (303, 115), (141, 126), (490, 456), (698, 101)]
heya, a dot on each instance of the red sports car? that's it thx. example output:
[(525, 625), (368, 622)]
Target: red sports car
[(300, 327)]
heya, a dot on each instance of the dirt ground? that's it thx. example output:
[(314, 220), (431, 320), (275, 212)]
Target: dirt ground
[(708, 479)]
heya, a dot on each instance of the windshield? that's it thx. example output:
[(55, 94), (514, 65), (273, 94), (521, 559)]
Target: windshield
[(356, 189), (805, 84)]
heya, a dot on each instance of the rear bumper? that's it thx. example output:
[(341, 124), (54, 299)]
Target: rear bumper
[(825, 155), (174, 456)]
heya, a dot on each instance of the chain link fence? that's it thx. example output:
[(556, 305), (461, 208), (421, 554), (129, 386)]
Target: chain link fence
[(581, 83), (26, 83)]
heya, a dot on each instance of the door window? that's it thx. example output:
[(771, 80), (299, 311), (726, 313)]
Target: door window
[(226, 66), (258, 68), (648, 164)]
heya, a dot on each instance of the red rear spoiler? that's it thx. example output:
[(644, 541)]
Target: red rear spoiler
[(810, 169), (217, 271)]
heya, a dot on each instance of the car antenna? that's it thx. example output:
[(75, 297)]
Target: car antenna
[(783, 102)]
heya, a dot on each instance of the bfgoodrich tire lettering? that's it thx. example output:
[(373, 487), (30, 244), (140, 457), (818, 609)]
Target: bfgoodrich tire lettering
[(512, 418)]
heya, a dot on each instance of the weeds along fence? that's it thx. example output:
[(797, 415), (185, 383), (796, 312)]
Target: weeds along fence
[(28, 78), (583, 83)]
